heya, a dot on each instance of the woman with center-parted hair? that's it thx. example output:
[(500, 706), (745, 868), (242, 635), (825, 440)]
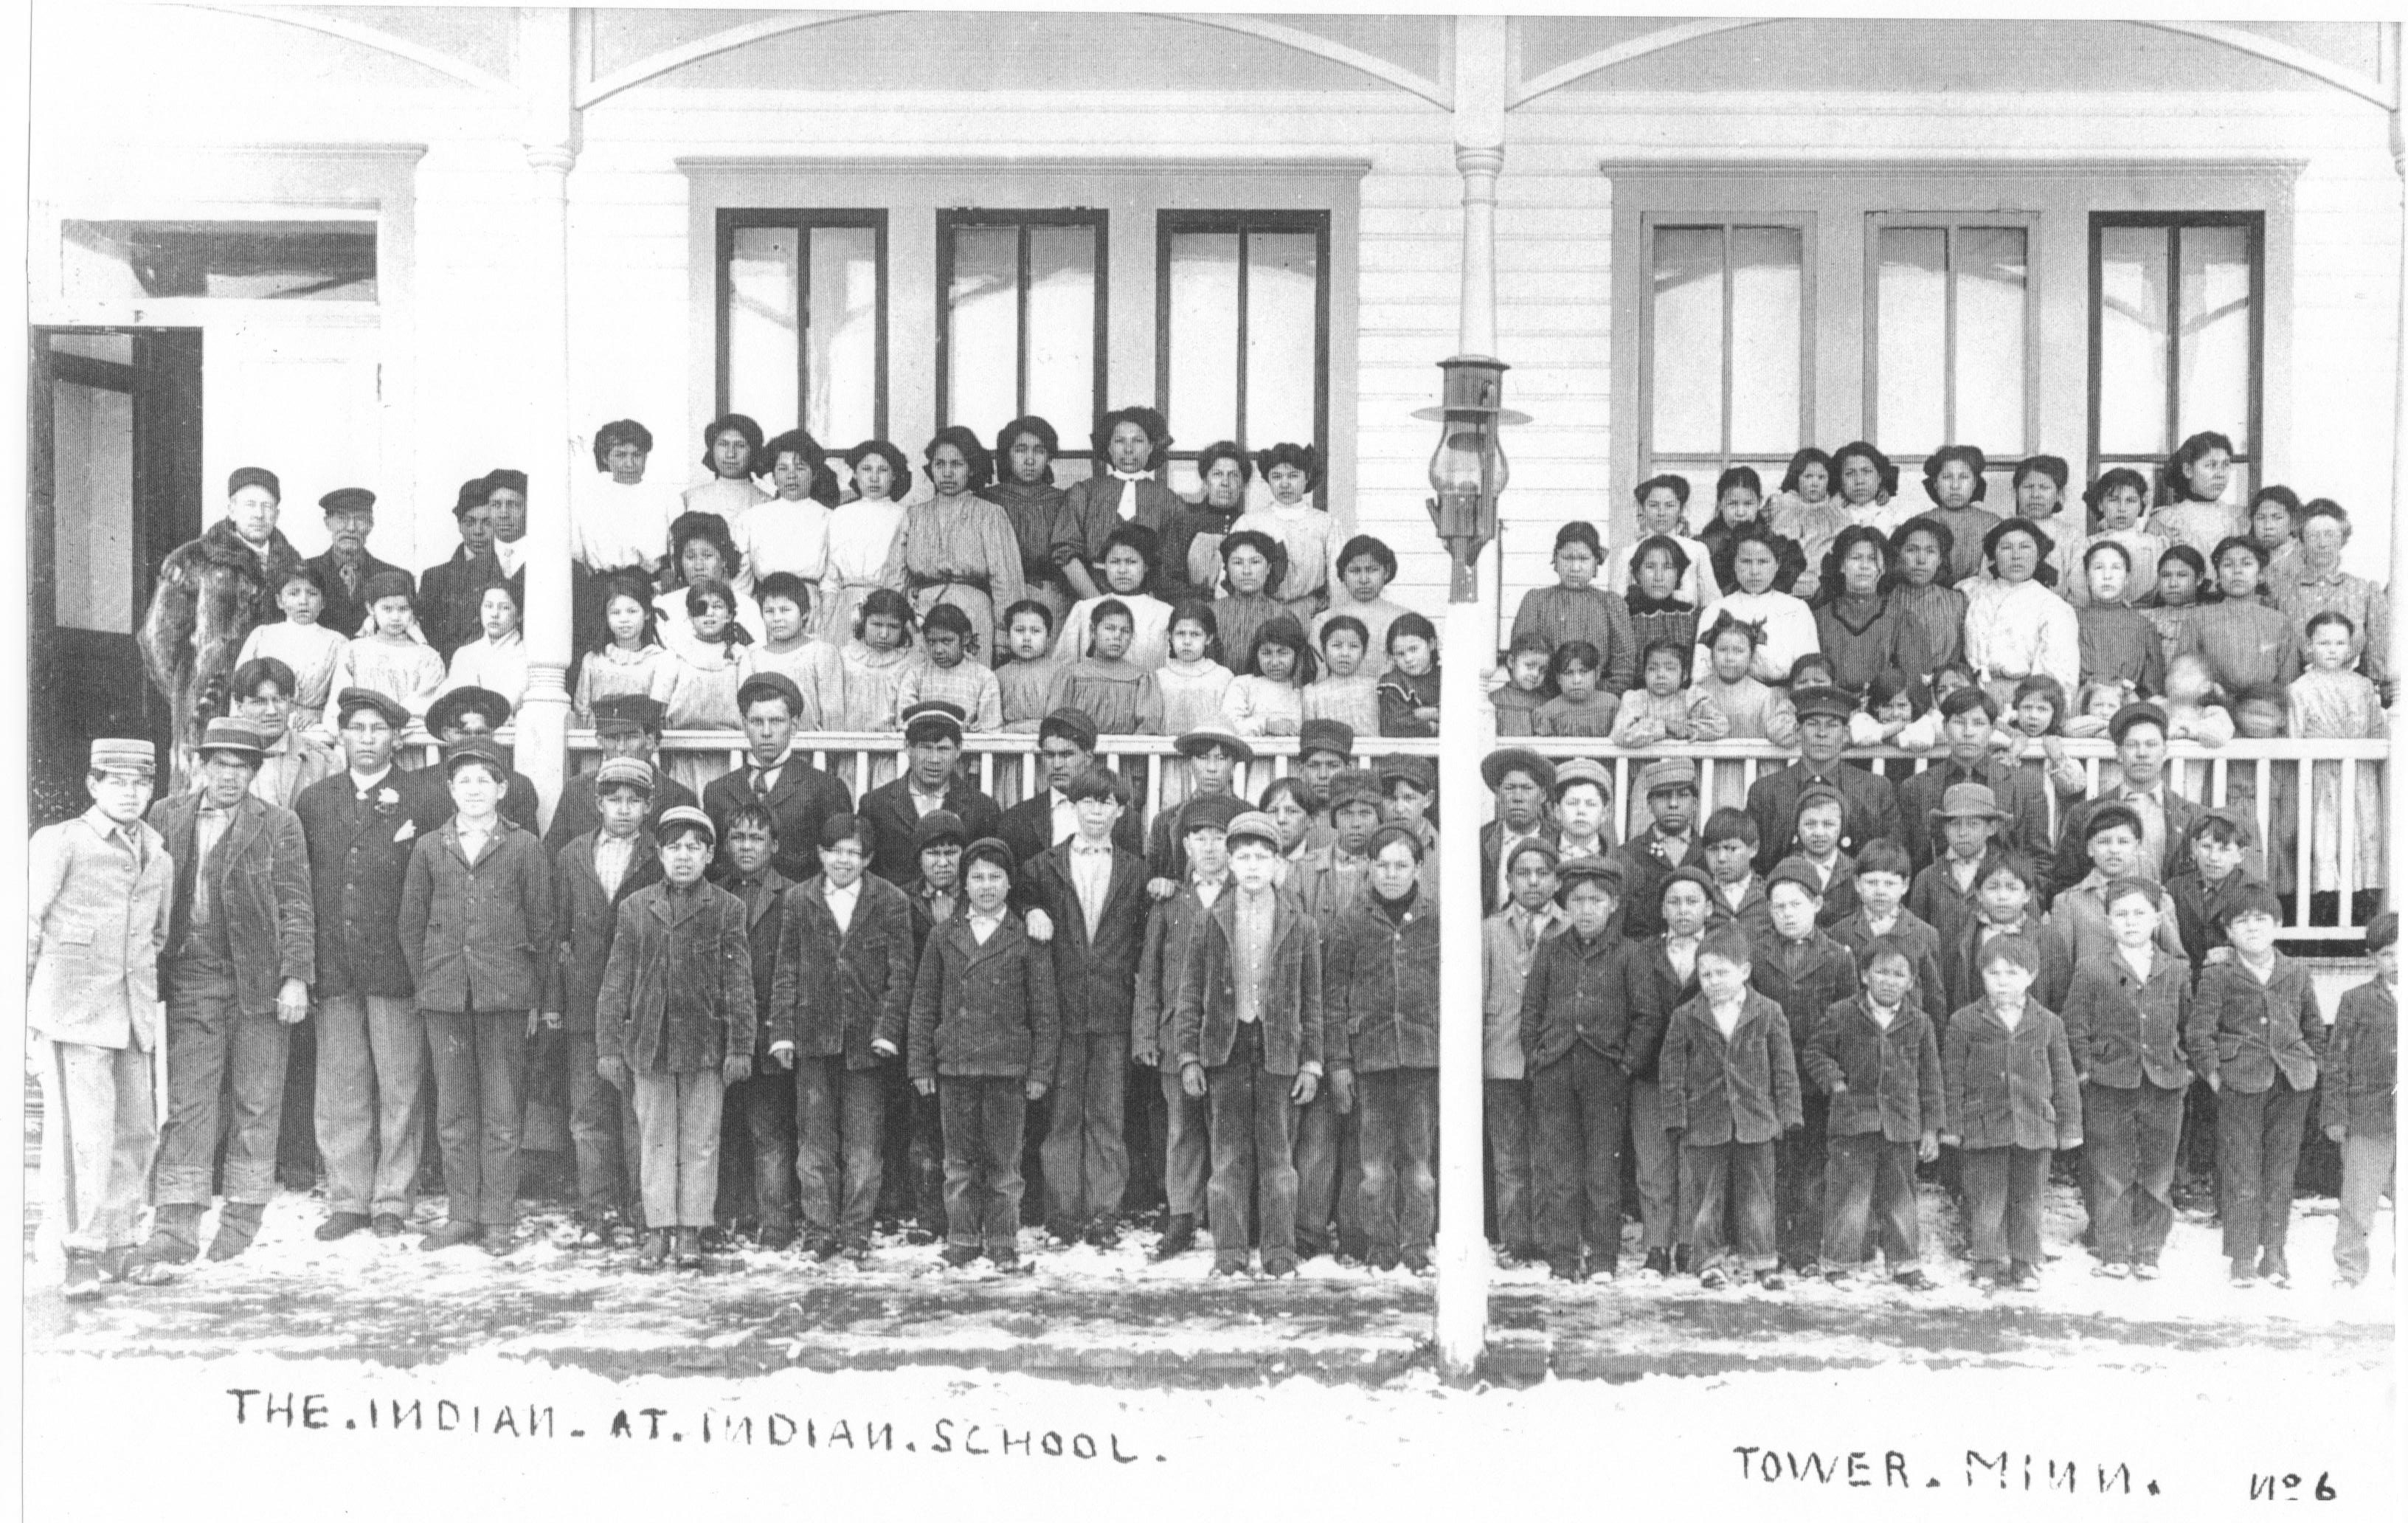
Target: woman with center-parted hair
[(1131, 444), (1194, 541), (1024, 489), (959, 548), (790, 531), (1293, 473), (730, 446), (864, 548)]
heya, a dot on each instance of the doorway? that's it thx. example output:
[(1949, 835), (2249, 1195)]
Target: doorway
[(114, 482)]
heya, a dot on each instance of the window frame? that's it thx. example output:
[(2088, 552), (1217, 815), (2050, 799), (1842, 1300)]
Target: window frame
[(1168, 224), (1651, 461), (801, 221), (951, 217), (2030, 223), (2253, 223)]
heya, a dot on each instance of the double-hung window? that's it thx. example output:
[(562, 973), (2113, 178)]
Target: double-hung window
[(1725, 350), (1020, 323), (2177, 337), (1243, 316), (802, 321), (1950, 334)]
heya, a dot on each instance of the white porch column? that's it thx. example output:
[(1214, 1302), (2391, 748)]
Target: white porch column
[(2397, 590), (547, 61), (1468, 732)]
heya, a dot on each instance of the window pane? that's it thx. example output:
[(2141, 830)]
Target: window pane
[(983, 352), (760, 332), (91, 435), (2214, 348), (1204, 336), (1282, 337), (1685, 359), (1061, 329), (842, 332), (1990, 295), (2131, 299), (1911, 345), (1767, 284), (257, 261)]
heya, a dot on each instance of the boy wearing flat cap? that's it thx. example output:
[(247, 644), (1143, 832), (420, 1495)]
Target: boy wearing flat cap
[(1248, 1035), (1671, 843), (242, 955), (592, 875), (1804, 971), (932, 780), (1582, 1040), (1409, 787), (371, 1089), (674, 1026), (1509, 940), (100, 893), (1170, 932)]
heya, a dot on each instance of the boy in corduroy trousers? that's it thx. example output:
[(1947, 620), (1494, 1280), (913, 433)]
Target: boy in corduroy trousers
[(986, 1031), (1730, 1092), (1877, 1062)]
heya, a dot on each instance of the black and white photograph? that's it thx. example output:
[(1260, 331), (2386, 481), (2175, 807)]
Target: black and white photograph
[(1340, 761)]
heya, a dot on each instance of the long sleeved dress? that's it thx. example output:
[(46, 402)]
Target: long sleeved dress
[(865, 552), (963, 551)]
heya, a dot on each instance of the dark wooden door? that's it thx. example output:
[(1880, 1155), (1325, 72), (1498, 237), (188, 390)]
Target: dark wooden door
[(113, 468)]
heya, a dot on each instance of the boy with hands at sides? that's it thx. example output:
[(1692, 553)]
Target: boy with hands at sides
[(1248, 1031), (2361, 1076), (2011, 1100), (1730, 1091), (1875, 1057)]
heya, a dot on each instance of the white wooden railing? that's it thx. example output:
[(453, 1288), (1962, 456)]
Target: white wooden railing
[(2280, 777)]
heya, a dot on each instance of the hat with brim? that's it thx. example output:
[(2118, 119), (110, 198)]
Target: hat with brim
[(986, 849), (1661, 776), (1822, 702), (1590, 869), (351, 700), (348, 499), (447, 712), (1253, 824), (686, 814), (1968, 801), (932, 721), (629, 713), (1356, 786), (1071, 725), (1534, 846), (113, 754), (1209, 812), (623, 772), (1517, 759), (1687, 875), (238, 738), (1196, 742), (2135, 713), (1796, 870)]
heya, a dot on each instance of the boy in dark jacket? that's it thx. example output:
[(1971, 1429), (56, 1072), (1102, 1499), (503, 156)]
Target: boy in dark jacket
[(593, 874), (844, 969), (913, 1188), (1945, 893), (2011, 1102), (2361, 1077), (1380, 1002), (1731, 1089), (1581, 1043), (758, 1140), (1805, 972), (2255, 1036), (2216, 870), (2124, 1020), (1822, 815), (1876, 1059), (985, 1031), (1736, 894), (477, 924), (1172, 930), (2006, 902), (1880, 911), (1094, 893), (1248, 1033), (674, 1026), (1658, 978)]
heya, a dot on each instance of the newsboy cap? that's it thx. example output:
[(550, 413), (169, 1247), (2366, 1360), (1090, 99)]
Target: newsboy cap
[(348, 499)]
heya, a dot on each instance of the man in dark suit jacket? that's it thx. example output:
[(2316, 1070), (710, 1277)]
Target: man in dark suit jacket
[(799, 796), (2167, 818), (1094, 893), (1867, 801), (371, 1078), (1065, 746), (1969, 716), (585, 912), (1670, 843), (1524, 782), (346, 565), (450, 596), (933, 782), (465, 713), (627, 725), (1213, 759), (242, 951)]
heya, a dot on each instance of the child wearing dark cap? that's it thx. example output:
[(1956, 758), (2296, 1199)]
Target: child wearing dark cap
[(1805, 972), (1381, 1014), (2011, 1100), (2361, 1087), (1729, 1080), (1170, 931), (985, 1034), (2255, 1035), (1582, 1041)]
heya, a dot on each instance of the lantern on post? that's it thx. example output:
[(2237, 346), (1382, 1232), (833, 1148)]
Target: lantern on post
[(1467, 470), (1467, 473)]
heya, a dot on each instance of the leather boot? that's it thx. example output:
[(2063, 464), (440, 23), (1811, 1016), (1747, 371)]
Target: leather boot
[(238, 1223), (689, 1247), (84, 1275), (1177, 1238), (175, 1239)]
